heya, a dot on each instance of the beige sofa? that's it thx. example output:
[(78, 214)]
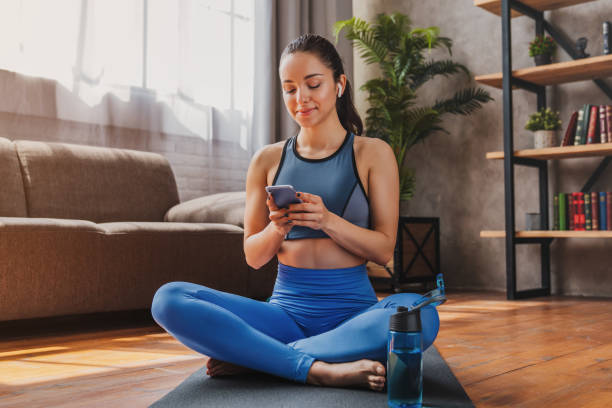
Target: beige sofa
[(88, 229)]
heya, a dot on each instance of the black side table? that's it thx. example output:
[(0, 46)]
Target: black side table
[(416, 258)]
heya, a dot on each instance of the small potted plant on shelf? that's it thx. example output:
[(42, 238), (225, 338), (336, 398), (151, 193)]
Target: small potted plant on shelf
[(542, 49), (545, 124)]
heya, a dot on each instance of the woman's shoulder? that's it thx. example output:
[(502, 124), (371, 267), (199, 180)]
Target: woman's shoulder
[(372, 149), (268, 155)]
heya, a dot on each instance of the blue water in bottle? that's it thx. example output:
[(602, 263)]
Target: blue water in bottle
[(405, 360)]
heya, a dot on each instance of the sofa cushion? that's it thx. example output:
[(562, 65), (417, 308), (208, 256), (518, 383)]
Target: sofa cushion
[(47, 224), (12, 196), (227, 208), (166, 227), (98, 184)]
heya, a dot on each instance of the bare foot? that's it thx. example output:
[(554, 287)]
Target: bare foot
[(361, 373), (219, 367)]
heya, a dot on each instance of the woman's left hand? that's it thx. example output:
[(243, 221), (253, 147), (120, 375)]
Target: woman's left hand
[(315, 215)]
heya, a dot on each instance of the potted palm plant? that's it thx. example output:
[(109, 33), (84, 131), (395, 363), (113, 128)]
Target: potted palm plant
[(400, 52)]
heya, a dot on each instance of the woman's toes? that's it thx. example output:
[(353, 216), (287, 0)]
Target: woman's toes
[(377, 379), (211, 363), (379, 368)]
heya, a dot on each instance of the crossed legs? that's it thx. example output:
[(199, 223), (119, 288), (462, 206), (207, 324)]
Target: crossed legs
[(261, 336), (231, 328)]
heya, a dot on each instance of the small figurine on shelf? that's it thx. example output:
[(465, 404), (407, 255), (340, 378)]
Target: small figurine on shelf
[(545, 125), (581, 45), (542, 49)]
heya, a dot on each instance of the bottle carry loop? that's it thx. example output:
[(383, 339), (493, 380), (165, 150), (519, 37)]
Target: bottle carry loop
[(434, 297)]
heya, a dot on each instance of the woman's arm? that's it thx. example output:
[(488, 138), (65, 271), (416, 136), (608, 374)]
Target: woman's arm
[(262, 239), (376, 245)]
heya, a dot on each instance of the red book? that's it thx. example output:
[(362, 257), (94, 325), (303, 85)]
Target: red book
[(609, 210), (581, 213), (593, 120), (609, 122), (595, 211), (579, 218), (603, 131), (571, 211), (571, 130)]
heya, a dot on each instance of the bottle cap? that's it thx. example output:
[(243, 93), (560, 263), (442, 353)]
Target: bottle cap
[(405, 321)]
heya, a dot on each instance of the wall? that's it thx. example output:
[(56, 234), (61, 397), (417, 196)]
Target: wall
[(454, 180)]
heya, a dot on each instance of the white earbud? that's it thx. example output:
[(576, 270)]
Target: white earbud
[(339, 91)]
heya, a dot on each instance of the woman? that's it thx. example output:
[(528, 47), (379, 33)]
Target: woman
[(323, 324)]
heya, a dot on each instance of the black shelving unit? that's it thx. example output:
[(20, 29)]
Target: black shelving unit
[(508, 82)]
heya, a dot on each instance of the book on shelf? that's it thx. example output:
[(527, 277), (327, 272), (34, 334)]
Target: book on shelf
[(579, 220), (602, 211), (562, 212), (594, 211), (609, 210), (571, 130), (570, 211), (603, 130), (609, 122), (589, 125), (592, 127), (578, 211), (579, 126), (588, 221)]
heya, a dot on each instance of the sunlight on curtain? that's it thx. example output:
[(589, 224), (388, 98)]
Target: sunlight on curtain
[(156, 65), (39, 38)]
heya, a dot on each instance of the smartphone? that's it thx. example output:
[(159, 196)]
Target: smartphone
[(284, 194)]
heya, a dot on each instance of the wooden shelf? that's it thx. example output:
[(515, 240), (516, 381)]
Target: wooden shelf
[(565, 152), (548, 234), (494, 6), (557, 73)]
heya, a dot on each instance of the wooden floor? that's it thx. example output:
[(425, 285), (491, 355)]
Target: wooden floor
[(553, 351)]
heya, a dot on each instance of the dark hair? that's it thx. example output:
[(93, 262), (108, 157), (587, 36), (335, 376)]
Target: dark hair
[(325, 50)]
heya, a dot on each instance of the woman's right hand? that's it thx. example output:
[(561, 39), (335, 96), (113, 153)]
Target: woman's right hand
[(278, 217)]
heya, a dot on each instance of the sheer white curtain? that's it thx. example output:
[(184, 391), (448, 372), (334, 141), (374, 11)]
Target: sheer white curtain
[(176, 67)]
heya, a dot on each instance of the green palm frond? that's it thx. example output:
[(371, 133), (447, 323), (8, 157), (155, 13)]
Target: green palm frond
[(464, 101), (430, 69), (360, 32)]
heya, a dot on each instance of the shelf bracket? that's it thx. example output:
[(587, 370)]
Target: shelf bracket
[(526, 10), (525, 161), (528, 86), (596, 174), (533, 240)]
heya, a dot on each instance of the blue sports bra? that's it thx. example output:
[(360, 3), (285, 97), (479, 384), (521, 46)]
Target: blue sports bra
[(334, 178)]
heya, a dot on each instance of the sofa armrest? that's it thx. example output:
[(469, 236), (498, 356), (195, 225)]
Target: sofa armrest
[(225, 208)]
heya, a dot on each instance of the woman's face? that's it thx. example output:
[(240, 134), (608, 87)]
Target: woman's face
[(309, 90)]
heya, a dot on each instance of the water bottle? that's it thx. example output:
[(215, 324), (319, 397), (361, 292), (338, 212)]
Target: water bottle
[(405, 360)]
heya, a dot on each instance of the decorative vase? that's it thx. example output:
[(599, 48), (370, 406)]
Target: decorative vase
[(544, 138), (542, 59)]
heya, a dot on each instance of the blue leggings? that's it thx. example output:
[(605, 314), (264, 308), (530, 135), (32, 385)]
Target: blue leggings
[(332, 315)]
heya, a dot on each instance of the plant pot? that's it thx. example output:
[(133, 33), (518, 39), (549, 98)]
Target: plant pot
[(542, 59), (544, 138)]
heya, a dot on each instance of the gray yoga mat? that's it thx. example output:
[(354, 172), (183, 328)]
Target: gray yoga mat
[(440, 389)]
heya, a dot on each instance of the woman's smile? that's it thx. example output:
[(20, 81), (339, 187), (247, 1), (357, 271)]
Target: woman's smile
[(305, 112)]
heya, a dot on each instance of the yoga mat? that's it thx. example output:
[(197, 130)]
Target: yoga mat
[(440, 389)]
